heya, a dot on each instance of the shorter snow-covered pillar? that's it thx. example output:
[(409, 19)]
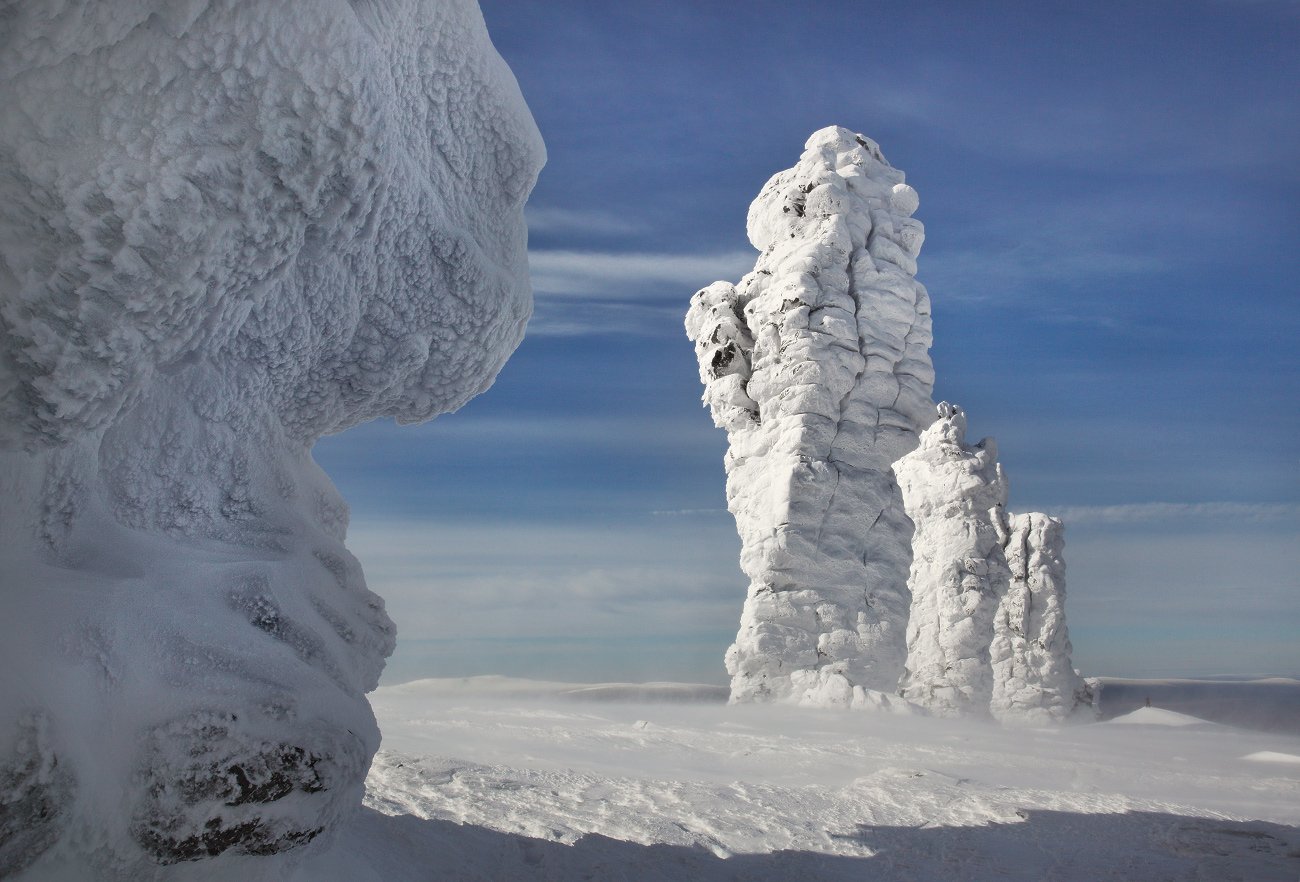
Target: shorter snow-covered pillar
[(1034, 682), (956, 496)]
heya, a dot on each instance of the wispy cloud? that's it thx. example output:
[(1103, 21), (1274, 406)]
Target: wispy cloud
[(556, 316), (1148, 512), (446, 580), (622, 275), (615, 434), (994, 273), (567, 220), (1098, 128)]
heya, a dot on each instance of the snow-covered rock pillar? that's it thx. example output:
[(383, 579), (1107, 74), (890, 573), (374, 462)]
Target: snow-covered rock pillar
[(817, 364), (956, 495), (226, 229), (1034, 681)]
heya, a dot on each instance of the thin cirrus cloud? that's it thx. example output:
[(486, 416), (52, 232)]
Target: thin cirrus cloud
[(1150, 512), (1011, 274), (1100, 128), (555, 316), (586, 292), (548, 220), (534, 567), (624, 275)]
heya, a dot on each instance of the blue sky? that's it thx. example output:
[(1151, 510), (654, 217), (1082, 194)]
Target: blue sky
[(1111, 193)]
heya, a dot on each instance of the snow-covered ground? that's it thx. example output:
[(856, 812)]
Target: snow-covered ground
[(491, 778)]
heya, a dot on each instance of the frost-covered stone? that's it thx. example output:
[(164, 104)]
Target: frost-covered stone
[(35, 796), (817, 366), (956, 495), (225, 230), (1033, 679)]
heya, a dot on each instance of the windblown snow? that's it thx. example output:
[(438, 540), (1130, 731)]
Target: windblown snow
[(480, 780), (226, 229)]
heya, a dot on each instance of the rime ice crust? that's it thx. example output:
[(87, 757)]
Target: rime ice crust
[(1033, 680), (987, 630), (817, 366), (956, 496), (225, 230)]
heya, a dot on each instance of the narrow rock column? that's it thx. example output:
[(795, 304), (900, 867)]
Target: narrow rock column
[(956, 495), (1034, 682), (817, 365)]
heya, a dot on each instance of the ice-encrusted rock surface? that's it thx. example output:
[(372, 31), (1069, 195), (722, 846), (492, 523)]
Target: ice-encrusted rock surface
[(225, 230), (987, 629), (1034, 681), (956, 495), (817, 366)]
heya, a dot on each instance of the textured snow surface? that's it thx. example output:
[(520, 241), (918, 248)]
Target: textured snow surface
[(225, 229), (489, 788), (956, 496), (817, 366)]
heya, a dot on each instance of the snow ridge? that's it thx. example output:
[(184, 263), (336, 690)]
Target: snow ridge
[(817, 366)]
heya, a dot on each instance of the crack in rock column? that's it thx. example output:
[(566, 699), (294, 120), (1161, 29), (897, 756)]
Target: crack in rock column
[(1034, 682), (225, 231), (956, 495), (817, 365)]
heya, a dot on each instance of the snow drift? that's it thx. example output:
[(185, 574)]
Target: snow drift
[(817, 366), (226, 229)]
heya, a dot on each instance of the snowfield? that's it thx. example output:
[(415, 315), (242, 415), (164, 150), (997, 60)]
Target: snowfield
[(492, 778)]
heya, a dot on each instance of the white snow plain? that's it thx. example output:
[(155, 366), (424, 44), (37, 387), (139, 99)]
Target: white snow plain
[(490, 779)]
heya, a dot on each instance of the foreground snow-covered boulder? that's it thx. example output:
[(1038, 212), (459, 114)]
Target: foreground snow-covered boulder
[(817, 365), (225, 230)]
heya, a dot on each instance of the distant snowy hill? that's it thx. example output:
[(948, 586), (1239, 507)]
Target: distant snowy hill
[(1271, 704)]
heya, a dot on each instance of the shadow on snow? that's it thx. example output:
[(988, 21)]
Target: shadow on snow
[(1046, 845)]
